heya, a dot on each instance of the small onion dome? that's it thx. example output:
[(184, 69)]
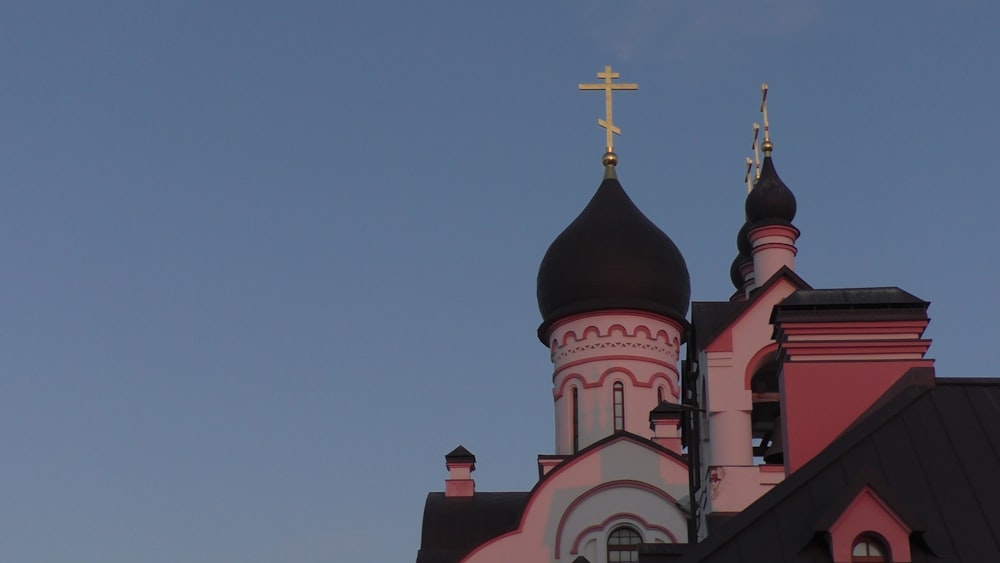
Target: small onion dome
[(734, 271), (770, 198), (743, 240), (611, 257)]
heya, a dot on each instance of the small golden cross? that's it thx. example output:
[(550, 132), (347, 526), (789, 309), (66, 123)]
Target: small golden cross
[(607, 86), (755, 147), (766, 145)]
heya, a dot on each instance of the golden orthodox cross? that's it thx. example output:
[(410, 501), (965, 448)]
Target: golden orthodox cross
[(766, 145), (755, 147), (608, 86)]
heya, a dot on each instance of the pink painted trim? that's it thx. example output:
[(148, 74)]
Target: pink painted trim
[(773, 231), (629, 484), (839, 347), (674, 390), (779, 245), (575, 549), (613, 357), (756, 362), (666, 320), (867, 327)]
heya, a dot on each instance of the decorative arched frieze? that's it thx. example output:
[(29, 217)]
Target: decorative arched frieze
[(639, 329)]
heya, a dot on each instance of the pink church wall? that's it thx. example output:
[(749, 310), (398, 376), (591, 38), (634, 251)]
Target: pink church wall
[(819, 400), (728, 363), (834, 371), (742, 347), (573, 510), (591, 352)]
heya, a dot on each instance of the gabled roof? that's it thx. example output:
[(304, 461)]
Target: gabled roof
[(454, 526), (857, 304), (867, 478), (933, 442), (711, 318)]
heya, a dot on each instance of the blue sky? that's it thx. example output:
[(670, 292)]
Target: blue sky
[(265, 263)]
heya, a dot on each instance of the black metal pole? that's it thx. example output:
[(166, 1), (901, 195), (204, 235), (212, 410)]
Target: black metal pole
[(692, 425)]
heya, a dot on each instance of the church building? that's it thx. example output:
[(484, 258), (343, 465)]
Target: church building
[(802, 424)]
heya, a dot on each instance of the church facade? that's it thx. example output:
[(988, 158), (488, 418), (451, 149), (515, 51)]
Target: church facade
[(803, 424)]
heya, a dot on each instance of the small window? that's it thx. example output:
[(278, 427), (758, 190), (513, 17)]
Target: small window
[(619, 406), (869, 549), (576, 420), (623, 544), (659, 394)]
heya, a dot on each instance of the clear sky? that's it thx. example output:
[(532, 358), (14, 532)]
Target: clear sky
[(265, 263)]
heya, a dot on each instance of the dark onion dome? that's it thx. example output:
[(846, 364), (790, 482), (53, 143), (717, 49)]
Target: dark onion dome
[(611, 257), (770, 198), (743, 239), (734, 271)]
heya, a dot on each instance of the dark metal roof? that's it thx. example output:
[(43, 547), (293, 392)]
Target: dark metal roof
[(853, 297), (857, 304), (743, 240), (710, 318), (460, 454), (930, 448), (611, 257), (734, 270), (665, 408), (454, 526)]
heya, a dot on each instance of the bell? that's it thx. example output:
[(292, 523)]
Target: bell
[(775, 453)]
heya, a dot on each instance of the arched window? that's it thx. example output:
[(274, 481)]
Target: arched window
[(619, 406), (659, 394), (623, 544), (869, 549), (576, 420)]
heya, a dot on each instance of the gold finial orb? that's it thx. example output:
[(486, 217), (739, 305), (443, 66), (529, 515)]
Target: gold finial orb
[(609, 159), (766, 146)]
